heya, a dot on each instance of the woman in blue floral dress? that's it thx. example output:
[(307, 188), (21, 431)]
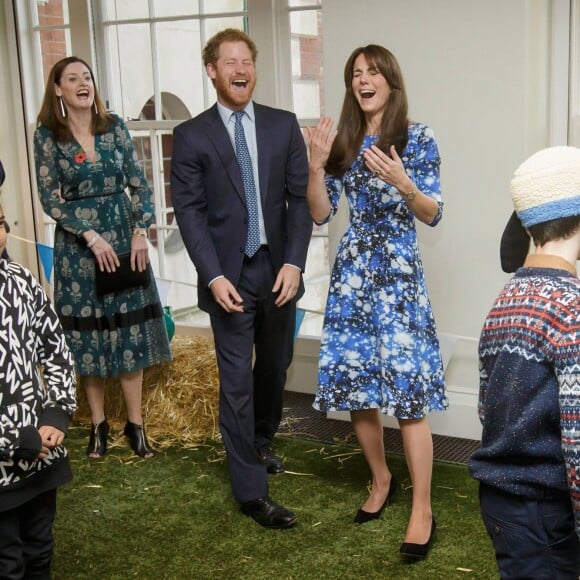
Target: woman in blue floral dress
[(379, 350), (85, 162)]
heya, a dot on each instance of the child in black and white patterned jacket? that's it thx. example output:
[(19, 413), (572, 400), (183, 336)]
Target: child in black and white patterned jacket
[(35, 411)]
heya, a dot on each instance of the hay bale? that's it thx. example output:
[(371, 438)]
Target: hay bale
[(180, 399)]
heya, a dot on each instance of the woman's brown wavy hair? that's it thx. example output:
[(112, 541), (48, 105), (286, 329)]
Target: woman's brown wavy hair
[(50, 115), (352, 123)]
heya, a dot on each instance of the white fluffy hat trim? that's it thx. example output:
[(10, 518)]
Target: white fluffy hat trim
[(547, 186)]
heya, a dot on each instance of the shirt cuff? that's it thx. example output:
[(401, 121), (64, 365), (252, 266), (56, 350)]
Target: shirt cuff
[(214, 279), (293, 266)]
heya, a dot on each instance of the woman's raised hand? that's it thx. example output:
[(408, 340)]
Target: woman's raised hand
[(319, 141)]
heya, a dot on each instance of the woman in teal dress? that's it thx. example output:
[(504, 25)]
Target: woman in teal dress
[(379, 351), (85, 164)]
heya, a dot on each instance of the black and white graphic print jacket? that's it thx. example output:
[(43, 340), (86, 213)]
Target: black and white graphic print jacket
[(37, 376)]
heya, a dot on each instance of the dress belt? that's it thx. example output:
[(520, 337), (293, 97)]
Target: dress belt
[(95, 195)]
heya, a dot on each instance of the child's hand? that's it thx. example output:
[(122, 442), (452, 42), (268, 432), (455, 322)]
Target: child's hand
[(51, 436), (43, 453)]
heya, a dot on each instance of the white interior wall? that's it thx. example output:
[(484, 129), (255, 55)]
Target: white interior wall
[(477, 72)]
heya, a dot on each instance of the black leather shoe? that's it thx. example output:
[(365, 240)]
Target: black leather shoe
[(268, 513), (414, 551), (362, 517), (272, 462), (98, 440), (138, 440)]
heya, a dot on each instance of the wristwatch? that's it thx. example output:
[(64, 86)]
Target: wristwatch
[(410, 195), (142, 232)]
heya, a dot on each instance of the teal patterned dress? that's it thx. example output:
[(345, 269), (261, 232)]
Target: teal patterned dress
[(116, 333)]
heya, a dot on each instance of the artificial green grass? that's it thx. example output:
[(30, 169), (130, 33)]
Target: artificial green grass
[(174, 517)]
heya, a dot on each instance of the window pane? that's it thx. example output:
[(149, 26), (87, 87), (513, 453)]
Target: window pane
[(214, 25), (131, 72), (306, 95), (306, 54), (219, 6), (304, 22), (142, 142), (180, 67), (176, 7), (54, 45), (293, 3), (54, 41), (52, 13), (125, 9)]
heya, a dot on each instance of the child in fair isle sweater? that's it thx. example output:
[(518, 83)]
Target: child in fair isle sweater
[(528, 465)]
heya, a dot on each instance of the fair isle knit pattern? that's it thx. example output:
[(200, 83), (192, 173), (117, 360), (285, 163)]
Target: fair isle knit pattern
[(530, 388)]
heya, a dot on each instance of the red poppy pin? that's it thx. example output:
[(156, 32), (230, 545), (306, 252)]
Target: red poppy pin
[(80, 157)]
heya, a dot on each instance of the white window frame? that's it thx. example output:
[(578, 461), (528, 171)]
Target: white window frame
[(268, 25)]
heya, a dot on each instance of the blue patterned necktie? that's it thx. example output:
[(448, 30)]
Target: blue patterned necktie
[(245, 163)]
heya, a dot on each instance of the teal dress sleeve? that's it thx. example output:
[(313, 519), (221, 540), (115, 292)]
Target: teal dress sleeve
[(142, 201), (54, 165)]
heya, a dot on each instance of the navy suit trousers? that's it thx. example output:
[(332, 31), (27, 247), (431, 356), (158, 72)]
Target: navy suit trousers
[(254, 350)]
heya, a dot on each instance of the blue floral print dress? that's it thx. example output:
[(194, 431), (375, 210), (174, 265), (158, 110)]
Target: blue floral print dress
[(121, 332), (379, 346)]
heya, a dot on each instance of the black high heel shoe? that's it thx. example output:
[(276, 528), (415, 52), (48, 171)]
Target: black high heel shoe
[(410, 550), (362, 516), (98, 440), (138, 440)]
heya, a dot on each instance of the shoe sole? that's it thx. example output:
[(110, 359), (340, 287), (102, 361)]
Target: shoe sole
[(278, 526), (275, 472), (273, 526)]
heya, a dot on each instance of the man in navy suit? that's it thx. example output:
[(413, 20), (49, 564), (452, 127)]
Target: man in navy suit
[(250, 295)]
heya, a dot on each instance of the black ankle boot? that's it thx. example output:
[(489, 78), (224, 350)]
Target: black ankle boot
[(98, 439), (138, 439)]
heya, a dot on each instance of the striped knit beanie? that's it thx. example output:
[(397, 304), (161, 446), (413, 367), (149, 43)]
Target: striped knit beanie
[(547, 186)]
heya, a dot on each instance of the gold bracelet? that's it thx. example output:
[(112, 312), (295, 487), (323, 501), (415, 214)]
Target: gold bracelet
[(141, 232)]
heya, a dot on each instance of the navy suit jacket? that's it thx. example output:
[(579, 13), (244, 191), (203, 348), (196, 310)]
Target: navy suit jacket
[(209, 202)]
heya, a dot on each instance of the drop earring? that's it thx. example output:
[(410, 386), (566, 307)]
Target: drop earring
[(62, 109)]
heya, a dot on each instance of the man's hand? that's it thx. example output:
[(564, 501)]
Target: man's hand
[(287, 283), (226, 295)]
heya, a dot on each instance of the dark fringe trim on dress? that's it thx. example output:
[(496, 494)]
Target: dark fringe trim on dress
[(110, 323)]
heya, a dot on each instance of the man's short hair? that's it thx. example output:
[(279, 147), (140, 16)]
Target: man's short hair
[(211, 52)]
